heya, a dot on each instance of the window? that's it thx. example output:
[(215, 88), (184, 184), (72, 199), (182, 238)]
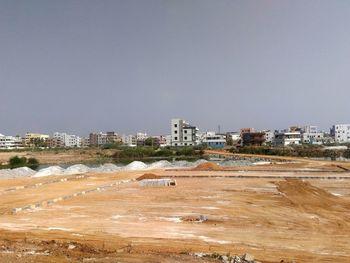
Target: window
[(185, 131), (175, 125), (175, 132), (185, 144), (175, 138), (185, 138)]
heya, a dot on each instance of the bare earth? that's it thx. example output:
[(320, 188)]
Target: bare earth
[(265, 211)]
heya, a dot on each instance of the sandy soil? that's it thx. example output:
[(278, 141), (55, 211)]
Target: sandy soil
[(263, 212), (59, 157)]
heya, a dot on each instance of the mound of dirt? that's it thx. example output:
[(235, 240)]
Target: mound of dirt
[(147, 176), (303, 194), (208, 166)]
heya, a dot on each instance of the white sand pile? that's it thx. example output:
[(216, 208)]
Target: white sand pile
[(135, 165), (52, 170), (110, 167), (160, 164), (16, 173), (23, 171), (187, 164), (77, 169), (106, 168)]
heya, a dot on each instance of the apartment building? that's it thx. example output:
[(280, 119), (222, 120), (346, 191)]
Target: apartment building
[(98, 139), (182, 133), (129, 140), (213, 140), (10, 142), (311, 135), (341, 133), (66, 140), (32, 139), (285, 138), (253, 138)]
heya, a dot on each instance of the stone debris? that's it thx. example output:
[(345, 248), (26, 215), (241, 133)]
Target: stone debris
[(246, 258)]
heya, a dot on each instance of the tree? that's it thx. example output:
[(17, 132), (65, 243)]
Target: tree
[(33, 163), (347, 153), (16, 162), (150, 141)]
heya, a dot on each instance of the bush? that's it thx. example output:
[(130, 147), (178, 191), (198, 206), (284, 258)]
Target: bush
[(33, 163), (16, 162), (346, 154)]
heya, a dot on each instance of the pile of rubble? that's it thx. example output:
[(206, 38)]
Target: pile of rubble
[(246, 258)]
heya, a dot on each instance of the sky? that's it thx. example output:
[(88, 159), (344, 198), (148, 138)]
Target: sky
[(128, 66)]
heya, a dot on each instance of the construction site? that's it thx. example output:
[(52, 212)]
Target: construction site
[(281, 210)]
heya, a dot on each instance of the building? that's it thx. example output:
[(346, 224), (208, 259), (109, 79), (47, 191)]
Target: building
[(66, 140), (182, 133), (141, 138), (129, 140), (341, 133), (213, 140), (311, 135), (35, 139), (253, 138), (113, 137), (285, 138), (98, 139), (10, 142), (233, 138), (85, 142)]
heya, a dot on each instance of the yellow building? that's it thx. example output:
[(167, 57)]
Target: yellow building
[(31, 138)]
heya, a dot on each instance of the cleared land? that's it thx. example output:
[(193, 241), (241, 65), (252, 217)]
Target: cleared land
[(261, 210)]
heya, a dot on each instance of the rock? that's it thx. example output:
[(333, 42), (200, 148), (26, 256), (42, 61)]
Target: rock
[(248, 257), (225, 259), (237, 259), (71, 246)]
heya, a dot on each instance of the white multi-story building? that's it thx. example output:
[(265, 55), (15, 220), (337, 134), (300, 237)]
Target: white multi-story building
[(10, 142), (129, 140), (286, 138), (141, 136), (213, 140), (67, 140), (341, 133), (311, 135), (269, 136), (182, 133)]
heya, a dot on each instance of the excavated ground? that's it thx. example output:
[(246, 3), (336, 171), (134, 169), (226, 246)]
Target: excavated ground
[(267, 212)]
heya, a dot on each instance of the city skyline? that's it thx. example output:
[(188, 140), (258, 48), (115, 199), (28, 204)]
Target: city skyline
[(131, 66)]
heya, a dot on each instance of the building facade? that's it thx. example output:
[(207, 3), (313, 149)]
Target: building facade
[(66, 140), (285, 138), (311, 135), (182, 133), (341, 133), (213, 140), (10, 142), (33, 139)]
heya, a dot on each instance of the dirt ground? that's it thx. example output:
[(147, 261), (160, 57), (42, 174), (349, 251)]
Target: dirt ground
[(295, 212), (59, 157)]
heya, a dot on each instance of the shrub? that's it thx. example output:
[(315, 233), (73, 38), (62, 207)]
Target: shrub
[(16, 162), (33, 163)]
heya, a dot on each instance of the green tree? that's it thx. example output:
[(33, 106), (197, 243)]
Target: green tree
[(16, 162), (33, 163)]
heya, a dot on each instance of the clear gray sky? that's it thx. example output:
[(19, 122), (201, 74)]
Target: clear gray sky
[(132, 65)]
